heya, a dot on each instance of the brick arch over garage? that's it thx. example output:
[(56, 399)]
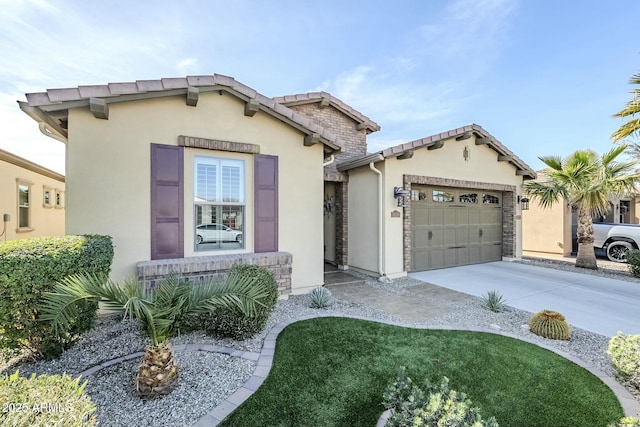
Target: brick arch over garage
[(508, 210)]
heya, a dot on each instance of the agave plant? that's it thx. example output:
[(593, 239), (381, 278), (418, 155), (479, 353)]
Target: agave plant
[(159, 309)]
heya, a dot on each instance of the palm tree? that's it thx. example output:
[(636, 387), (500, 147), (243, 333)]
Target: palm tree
[(587, 181), (631, 111), (160, 311)]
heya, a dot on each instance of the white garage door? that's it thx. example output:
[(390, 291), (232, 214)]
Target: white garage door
[(451, 227)]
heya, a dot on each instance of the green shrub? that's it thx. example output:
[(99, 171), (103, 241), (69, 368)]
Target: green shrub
[(494, 301), (633, 261), (30, 267), (627, 422), (231, 322), (625, 357), (433, 405), (320, 297), (550, 324), (55, 400)]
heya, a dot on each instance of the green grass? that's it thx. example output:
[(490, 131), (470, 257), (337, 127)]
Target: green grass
[(333, 372)]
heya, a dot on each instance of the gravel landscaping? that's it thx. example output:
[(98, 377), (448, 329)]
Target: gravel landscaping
[(208, 378)]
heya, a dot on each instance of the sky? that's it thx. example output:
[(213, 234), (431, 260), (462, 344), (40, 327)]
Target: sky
[(544, 77)]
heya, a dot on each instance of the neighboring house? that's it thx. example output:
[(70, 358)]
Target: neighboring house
[(33, 199), (553, 229), (284, 182)]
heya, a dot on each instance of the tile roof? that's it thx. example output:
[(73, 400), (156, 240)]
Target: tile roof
[(51, 106), (312, 97), (428, 141)]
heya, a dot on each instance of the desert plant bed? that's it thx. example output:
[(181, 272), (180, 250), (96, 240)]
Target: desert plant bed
[(333, 372)]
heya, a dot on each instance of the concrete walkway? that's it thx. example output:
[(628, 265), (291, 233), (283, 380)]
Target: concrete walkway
[(593, 303)]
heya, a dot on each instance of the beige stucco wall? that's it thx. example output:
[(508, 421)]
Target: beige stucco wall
[(446, 162), (108, 169), (547, 230), (363, 219), (44, 220)]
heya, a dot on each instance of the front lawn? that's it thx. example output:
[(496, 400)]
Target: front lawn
[(333, 372)]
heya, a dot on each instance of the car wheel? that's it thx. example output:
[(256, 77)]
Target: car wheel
[(198, 239), (239, 238), (617, 251)]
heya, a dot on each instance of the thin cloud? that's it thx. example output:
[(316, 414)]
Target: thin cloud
[(445, 56)]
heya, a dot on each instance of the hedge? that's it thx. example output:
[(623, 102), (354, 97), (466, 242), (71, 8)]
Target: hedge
[(45, 400), (30, 267)]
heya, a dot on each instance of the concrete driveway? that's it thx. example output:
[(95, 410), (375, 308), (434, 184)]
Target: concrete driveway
[(590, 302)]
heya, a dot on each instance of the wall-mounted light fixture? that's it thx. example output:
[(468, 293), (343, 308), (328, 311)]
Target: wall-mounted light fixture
[(524, 203), (400, 194)]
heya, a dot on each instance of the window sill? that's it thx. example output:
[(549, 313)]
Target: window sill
[(24, 229)]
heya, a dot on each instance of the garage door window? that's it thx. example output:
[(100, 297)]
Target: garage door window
[(490, 199), (443, 196), (468, 198)]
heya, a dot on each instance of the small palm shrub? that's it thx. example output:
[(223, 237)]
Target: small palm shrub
[(45, 400), (320, 297), (494, 301), (159, 309), (624, 351), (231, 322), (550, 324), (633, 261), (433, 405)]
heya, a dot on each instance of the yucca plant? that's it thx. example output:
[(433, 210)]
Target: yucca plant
[(494, 301), (320, 297), (159, 309)]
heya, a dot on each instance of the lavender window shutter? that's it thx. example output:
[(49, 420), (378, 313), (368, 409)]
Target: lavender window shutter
[(266, 203), (167, 201)]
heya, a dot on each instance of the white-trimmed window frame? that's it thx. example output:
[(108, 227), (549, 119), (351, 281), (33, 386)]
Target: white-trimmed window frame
[(59, 198), (219, 203), (21, 207), (48, 195)]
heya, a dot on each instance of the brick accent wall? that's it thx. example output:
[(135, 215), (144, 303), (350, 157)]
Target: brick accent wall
[(354, 140), (508, 210), (355, 144), (217, 267), (342, 232)]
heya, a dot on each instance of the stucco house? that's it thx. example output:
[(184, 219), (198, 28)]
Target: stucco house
[(194, 174), (552, 230), (33, 199)]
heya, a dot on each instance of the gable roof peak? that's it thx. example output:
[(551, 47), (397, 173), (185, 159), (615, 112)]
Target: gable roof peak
[(51, 107), (325, 99)]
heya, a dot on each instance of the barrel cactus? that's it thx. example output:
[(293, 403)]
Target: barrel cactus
[(550, 324)]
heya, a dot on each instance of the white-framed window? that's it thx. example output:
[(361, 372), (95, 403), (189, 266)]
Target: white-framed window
[(59, 195), (24, 205), (219, 203), (47, 197)]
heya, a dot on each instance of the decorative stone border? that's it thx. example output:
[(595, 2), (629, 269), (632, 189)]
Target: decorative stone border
[(630, 405)]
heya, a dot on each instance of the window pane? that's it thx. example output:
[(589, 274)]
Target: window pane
[(206, 181), (24, 217), (219, 227), (231, 184), (469, 198), (23, 195), (47, 197), (490, 199), (442, 196)]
